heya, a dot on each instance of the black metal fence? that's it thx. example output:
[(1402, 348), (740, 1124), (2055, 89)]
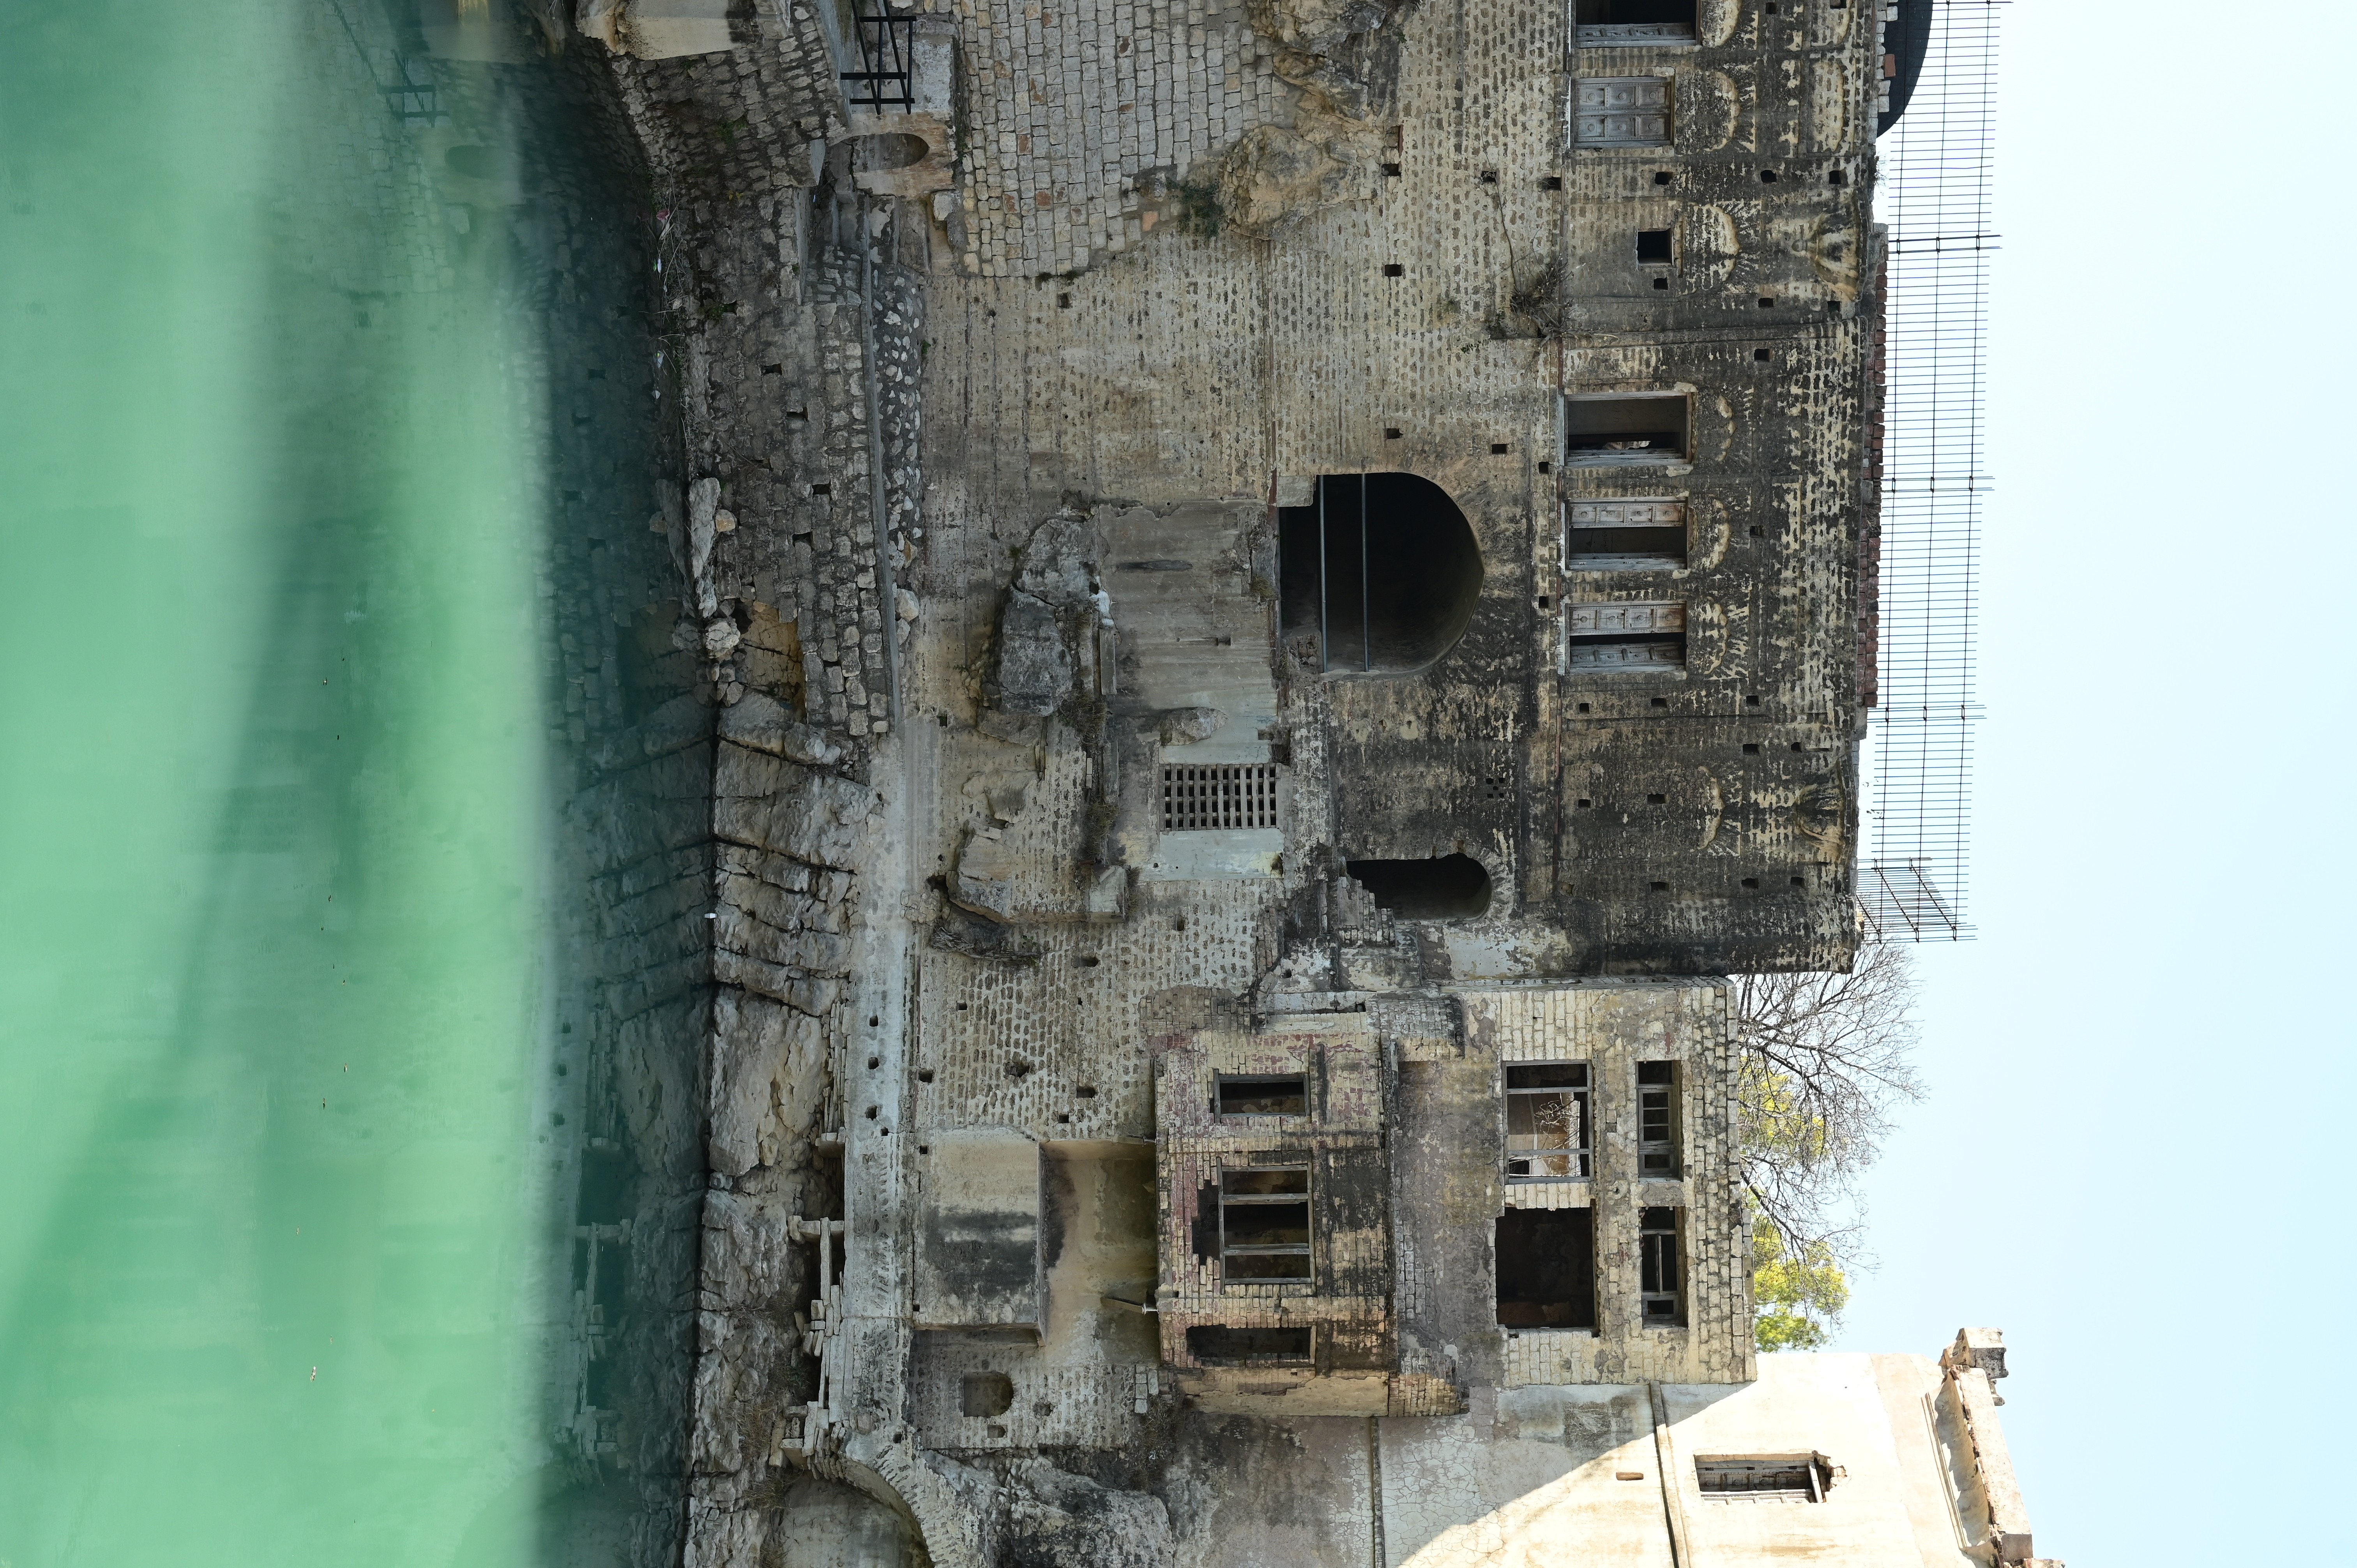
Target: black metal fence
[(887, 78)]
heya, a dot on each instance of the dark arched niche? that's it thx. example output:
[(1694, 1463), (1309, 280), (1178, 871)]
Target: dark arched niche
[(1448, 887), (1378, 574), (890, 150)]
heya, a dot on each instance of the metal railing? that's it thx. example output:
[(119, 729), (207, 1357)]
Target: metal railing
[(887, 47)]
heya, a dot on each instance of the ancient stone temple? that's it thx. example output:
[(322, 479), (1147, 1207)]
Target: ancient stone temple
[(1275, 592)]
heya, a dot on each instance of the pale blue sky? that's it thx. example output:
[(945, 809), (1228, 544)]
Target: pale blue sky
[(2133, 1156)]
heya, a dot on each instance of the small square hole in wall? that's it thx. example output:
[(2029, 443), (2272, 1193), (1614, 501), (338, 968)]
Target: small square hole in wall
[(1757, 531), (1762, 355), (1498, 448), (1394, 270), (1489, 176), (1750, 748), (1800, 882), (1391, 171), (1659, 887), (1662, 176), (1545, 466), (1767, 303), (985, 1393), (1063, 302), (1657, 800), (1662, 283), (1543, 601), (1767, 176), (1653, 248), (1390, 434), (1796, 745), (924, 1075), (1751, 882), (1835, 176), (1085, 1091), (1660, 702), (1552, 182), (1750, 702), (821, 490), (1583, 805), (1582, 707), (773, 370), (798, 414)]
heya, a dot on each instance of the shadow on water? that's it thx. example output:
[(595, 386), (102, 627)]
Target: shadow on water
[(359, 1222)]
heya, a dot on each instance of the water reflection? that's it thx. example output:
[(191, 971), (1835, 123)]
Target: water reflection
[(348, 983)]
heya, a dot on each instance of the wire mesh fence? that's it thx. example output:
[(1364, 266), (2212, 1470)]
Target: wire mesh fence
[(1934, 198)]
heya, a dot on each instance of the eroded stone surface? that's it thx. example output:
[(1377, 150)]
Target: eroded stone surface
[(1015, 474)]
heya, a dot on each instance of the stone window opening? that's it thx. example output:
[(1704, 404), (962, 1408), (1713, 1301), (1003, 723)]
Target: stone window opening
[(1620, 112), (1624, 637), (1657, 1120), (1765, 1478), (1657, 255), (1546, 1268), (1642, 534), (1634, 24), (1661, 1250), (1217, 1344), (1622, 430), (1547, 1121), (1447, 888), (1378, 575), (1264, 1094), (1265, 1222)]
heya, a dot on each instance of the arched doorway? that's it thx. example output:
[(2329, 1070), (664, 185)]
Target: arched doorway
[(1378, 575)]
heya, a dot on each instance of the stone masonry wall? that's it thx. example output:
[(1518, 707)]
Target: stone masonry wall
[(786, 602), (1185, 265)]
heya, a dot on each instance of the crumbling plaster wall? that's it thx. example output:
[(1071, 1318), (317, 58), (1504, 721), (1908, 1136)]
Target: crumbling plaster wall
[(1222, 366), (1205, 367)]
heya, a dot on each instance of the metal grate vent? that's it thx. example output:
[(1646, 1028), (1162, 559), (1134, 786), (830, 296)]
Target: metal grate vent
[(1197, 798)]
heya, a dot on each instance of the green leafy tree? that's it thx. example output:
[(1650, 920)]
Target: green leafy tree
[(1825, 1060), (1797, 1296)]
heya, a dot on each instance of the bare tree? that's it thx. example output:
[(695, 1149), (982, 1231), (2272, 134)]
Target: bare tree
[(1826, 1060)]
